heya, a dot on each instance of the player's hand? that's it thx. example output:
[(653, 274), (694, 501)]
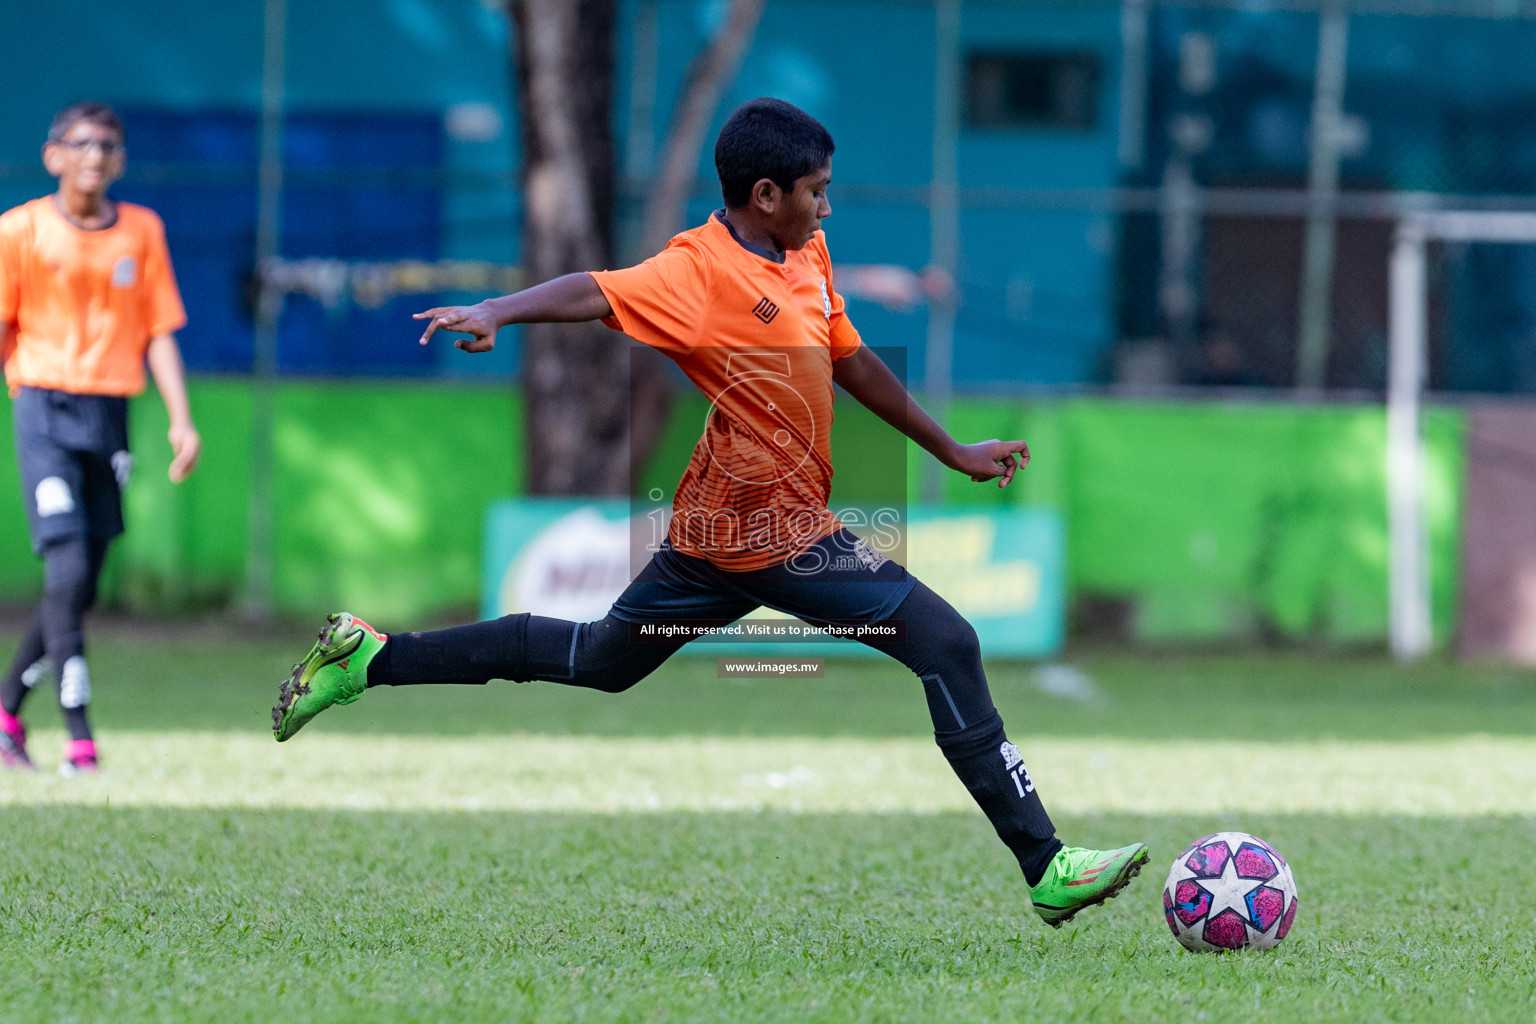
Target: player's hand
[(989, 460), (476, 321), (186, 446)]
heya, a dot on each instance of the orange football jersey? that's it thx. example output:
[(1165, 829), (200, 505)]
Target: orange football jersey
[(758, 337), (85, 303)]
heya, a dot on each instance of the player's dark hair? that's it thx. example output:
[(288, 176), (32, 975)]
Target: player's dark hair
[(768, 138), (95, 113)]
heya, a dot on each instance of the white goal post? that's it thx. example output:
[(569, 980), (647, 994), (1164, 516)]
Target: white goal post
[(1407, 529)]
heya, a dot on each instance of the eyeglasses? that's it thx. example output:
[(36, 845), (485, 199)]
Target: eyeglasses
[(108, 147)]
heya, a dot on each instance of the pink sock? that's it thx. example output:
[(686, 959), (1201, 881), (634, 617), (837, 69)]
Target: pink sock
[(79, 750), (10, 723)]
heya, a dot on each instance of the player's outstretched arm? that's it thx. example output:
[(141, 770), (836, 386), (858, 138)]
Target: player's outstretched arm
[(565, 300), (866, 377), (164, 358)]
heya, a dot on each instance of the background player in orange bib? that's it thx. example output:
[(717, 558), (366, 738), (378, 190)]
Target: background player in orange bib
[(746, 306), (87, 297)]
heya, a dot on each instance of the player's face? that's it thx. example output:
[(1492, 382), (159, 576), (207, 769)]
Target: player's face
[(802, 210), (87, 160)]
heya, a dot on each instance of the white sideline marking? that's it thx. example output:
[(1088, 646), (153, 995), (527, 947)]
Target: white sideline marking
[(1464, 776)]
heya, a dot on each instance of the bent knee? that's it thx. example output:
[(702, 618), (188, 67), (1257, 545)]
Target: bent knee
[(606, 659), (957, 644)]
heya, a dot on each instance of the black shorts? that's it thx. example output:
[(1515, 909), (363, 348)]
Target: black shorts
[(840, 579), (72, 451)]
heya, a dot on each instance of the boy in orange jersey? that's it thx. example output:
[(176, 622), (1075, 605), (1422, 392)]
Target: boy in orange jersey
[(745, 305), (87, 297)]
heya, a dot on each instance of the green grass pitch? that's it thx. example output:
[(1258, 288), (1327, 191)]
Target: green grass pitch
[(711, 850)]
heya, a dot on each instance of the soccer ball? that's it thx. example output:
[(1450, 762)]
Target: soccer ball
[(1230, 890)]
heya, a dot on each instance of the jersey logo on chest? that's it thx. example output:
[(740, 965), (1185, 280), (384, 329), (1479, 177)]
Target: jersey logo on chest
[(125, 272), (765, 310)]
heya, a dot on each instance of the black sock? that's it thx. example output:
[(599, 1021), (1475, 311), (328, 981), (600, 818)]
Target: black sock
[(75, 722), (994, 773), (468, 655), (594, 655), (516, 647)]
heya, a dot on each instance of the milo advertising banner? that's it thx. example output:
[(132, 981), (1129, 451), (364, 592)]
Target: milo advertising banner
[(1004, 571)]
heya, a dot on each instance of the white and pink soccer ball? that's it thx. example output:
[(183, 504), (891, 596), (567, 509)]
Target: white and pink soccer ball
[(1230, 890)]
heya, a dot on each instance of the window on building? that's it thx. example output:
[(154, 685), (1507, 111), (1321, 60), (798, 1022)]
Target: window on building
[(1032, 90)]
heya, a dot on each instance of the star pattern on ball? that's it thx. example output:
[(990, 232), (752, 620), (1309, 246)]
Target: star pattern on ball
[(1229, 890)]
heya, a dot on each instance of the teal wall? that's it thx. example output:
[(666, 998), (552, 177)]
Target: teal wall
[(1447, 101), (1037, 284)]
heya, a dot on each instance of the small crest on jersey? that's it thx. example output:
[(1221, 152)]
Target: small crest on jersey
[(1011, 755), (868, 556), (826, 300), (125, 272), (765, 310)]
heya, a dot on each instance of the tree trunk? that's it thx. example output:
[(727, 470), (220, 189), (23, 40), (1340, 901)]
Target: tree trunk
[(595, 403), (576, 382)]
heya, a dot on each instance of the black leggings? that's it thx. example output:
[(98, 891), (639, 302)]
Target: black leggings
[(940, 647), (71, 572)]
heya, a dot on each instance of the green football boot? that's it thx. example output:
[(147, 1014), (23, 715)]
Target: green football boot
[(1079, 878), (335, 671)]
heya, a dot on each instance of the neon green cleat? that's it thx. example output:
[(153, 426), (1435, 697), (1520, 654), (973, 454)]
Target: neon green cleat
[(335, 671), (1079, 878)]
